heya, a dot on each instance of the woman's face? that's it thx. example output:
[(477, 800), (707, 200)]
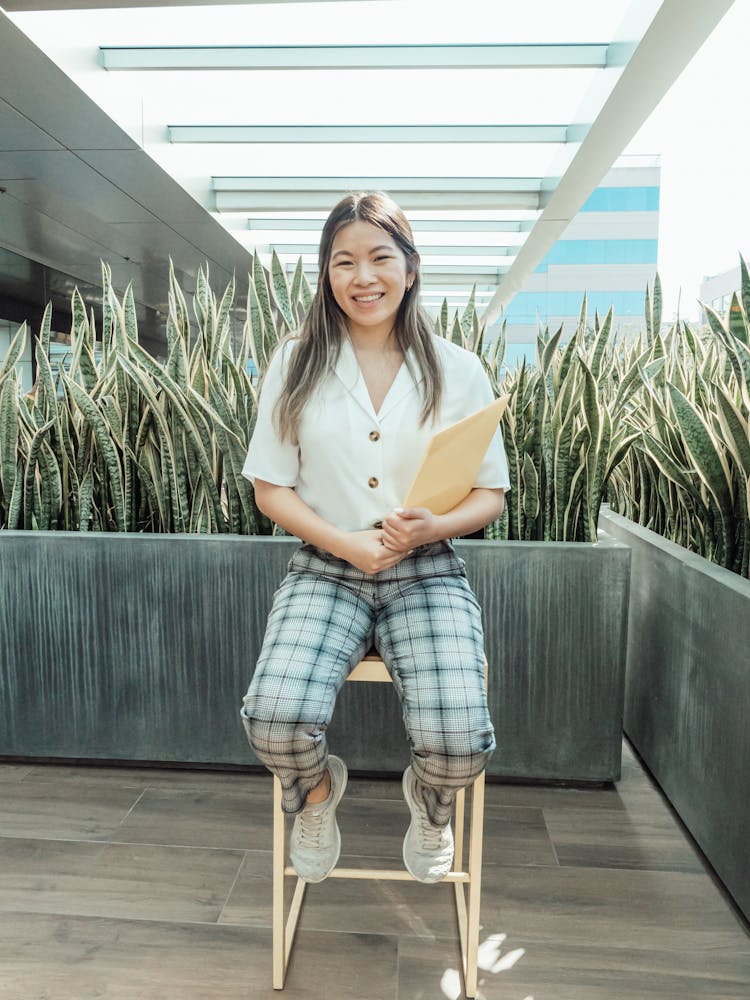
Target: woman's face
[(369, 274)]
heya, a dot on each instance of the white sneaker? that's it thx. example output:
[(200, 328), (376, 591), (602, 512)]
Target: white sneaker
[(315, 843), (428, 849)]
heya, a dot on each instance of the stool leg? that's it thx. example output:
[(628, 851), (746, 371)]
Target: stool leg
[(279, 851), (458, 833), (476, 830)]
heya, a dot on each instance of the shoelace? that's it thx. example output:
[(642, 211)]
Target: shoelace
[(432, 836), (311, 828)]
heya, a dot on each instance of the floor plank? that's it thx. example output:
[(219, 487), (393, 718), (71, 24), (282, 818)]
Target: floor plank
[(44, 957), (115, 880)]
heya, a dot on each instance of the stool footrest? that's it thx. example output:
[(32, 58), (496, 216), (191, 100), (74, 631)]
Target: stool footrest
[(384, 874)]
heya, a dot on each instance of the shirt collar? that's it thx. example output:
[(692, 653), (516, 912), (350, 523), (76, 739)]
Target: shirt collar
[(348, 372)]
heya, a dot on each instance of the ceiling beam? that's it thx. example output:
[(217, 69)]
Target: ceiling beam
[(273, 223), (234, 57), (677, 31), (462, 276), (29, 5), (279, 194), (371, 133), (454, 250)]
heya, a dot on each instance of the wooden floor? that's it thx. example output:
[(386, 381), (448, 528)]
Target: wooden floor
[(145, 884)]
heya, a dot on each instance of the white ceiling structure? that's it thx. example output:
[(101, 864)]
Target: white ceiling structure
[(489, 122)]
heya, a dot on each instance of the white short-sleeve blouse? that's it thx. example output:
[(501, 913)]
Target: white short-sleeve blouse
[(351, 465)]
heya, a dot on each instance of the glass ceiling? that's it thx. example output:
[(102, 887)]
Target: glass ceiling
[(468, 113)]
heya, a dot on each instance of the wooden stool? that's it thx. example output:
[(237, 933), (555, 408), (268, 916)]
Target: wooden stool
[(372, 668)]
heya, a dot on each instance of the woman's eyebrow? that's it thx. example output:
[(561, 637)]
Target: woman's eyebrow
[(348, 253)]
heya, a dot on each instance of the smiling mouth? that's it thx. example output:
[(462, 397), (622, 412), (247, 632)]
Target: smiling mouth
[(372, 297)]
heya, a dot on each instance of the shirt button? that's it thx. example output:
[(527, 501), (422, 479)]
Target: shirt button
[(374, 436), (372, 482)]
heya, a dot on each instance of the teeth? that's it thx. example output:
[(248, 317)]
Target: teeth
[(367, 298)]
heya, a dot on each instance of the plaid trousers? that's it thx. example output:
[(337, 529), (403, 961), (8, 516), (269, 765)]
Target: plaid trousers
[(425, 622)]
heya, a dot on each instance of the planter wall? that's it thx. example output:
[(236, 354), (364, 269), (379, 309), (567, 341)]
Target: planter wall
[(688, 692), (139, 648)]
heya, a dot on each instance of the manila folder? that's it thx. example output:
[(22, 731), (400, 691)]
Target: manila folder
[(452, 460)]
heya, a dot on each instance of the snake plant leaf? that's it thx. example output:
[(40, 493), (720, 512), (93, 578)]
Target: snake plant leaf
[(745, 291), (443, 318), (456, 333), (178, 307), (566, 357), (530, 479), (563, 467), (467, 318), (103, 434), (656, 305), (295, 291), (478, 329), (31, 494), (45, 328), (591, 407), (256, 328), (50, 487), (306, 293), (548, 353), (281, 294), (735, 430), (8, 436), (14, 352), (738, 353), (260, 283), (202, 300), (581, 327), (618, 452), (601, 344), (708, 459), (86, 501), (107, 317), (224, 319), (737, 320)]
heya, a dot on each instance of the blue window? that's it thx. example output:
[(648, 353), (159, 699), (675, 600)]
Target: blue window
[(530, 307), (600, 252), (515, 353), (623, 199)]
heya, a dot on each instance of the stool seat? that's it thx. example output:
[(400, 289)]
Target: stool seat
[(466, 883)]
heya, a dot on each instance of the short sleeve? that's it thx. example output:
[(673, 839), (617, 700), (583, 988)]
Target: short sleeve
[(493, 472), (269, 457)]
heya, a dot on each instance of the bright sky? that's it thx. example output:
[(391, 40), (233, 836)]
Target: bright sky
[(702, 132)]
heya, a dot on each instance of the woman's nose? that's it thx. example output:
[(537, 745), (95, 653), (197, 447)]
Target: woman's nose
[(364, 273)]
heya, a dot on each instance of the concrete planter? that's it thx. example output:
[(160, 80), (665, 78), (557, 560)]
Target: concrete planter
[(688, 692), (137, 647)]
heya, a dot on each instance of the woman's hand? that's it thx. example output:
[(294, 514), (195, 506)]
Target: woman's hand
[(407, 527), (367, 551)]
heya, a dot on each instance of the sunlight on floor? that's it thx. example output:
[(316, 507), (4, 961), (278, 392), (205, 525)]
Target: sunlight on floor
[(490, 959)]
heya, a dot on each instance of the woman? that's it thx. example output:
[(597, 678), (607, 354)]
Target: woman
[(346, 410)]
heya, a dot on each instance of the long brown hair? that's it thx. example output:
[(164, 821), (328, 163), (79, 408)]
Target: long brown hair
[(318, 343)]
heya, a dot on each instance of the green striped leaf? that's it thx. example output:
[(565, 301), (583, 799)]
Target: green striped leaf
[(103, 435), (14, 352), (281, 294), (8, 437)]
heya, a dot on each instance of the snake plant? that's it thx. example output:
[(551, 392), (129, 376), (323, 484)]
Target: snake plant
[(121, 441)]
